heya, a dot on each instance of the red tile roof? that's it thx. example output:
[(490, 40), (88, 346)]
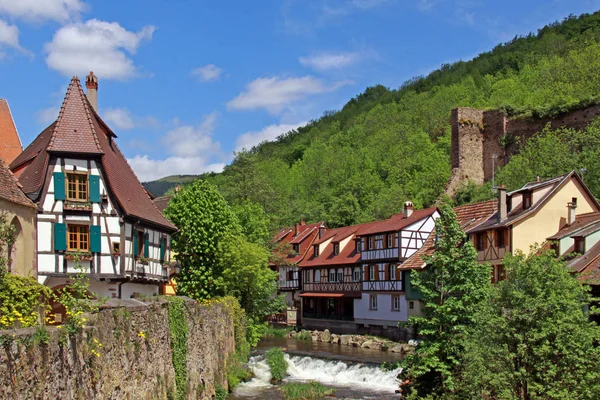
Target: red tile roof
[(10, 144), (582, 221), (97, 140), (10, 189), (469, 216), (396, 222), (346, 256), (305, 235), (162, 202), (587, 266)]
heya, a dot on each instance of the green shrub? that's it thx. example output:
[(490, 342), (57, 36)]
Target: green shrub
[(179, 345), (220, 393), (277, 364), (21, 301), (271, 331), (304, 335), (305, 391)]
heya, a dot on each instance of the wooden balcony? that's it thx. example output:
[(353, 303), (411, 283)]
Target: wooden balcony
[(293, 284), (331, 287)]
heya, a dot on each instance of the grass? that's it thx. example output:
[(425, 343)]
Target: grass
[(277, 364), (271, 331), (304, 335), (305, 391)]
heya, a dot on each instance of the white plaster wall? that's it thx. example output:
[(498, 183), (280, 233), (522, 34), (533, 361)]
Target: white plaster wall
[(46, 263), (44, 236), (384, 310), (127, 289)]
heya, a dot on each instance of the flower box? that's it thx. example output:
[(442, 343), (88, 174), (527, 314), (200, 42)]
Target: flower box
[(75, 206), (78, 256)]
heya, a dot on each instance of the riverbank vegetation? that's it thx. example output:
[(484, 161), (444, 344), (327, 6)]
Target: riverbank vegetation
[(526, 337), (272, 331), (305, 391), (277, 364)]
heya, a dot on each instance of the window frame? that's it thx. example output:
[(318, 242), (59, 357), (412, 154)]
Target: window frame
[(317, 276), (354, 274), (579, 245), (336, 249), (372, 271), (86, 182), (307, 276), (316, 250), (373, 302), (331, 274), (500, 235), (78, 248), (480, 241), (390, 240), (340, 275), (358, 246), (393, 268), (396, 303), (527, 200), (141, 238)]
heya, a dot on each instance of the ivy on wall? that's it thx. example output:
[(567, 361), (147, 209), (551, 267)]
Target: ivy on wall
[(178, 329)]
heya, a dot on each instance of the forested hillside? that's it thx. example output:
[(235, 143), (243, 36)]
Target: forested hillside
[(387, 146)]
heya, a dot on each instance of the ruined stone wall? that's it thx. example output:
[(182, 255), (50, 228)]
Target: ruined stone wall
[(477, 136), (134, 360)]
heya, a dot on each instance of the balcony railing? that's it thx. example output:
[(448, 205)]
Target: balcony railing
[(382, 286), (288, 284), (332, 287)]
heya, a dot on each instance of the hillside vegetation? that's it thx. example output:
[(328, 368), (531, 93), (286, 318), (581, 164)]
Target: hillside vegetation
[(387, 146)]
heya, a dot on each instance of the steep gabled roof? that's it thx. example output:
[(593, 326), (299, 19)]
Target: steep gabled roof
[(80, 131), (346, 256), (10, 189), (302, 235), (396, 222), (10, 143), (469, 217), (582, 222)]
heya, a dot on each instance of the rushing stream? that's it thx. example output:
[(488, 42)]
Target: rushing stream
[(354, 373)]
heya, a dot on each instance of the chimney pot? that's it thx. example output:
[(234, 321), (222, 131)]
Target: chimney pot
[(91, 83), (571, 213), (502, 206), (408, 209)]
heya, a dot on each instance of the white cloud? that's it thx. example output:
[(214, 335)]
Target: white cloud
[(122, 118), (207, 73), (268, 133), (275, 93), (47, 115), (326, 61), (99, 46), (42, 10), (9, 38), (191, 150)]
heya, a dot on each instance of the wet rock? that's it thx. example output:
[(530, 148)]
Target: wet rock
[(399, 348), (325, 336), (368, 344), (335, 339), (345, 340), (292, 334)]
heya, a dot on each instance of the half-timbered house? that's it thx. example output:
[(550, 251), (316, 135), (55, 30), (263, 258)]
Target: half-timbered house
[(383, 247), (93, 212)]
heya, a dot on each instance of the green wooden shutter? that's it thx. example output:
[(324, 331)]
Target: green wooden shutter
[(136, 245), (60, 237), (59, 186), (163, 248), (94, 188), (95, 239), (146, 245)]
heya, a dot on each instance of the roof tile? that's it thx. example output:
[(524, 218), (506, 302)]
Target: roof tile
[(10, 144)]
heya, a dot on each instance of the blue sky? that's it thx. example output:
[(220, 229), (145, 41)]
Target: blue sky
[(186, 83)]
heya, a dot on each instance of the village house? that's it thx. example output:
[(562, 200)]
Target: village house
[(93, 212), (291, 247)]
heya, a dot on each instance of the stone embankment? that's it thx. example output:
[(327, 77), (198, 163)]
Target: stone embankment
[(126, 354), (365, 342)]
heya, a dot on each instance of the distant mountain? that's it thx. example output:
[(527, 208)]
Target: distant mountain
[(165, 185)]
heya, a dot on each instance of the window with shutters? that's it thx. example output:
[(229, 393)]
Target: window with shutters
[(78, 238), (77, 186), (372, 269), (392, 272), (379, 242)]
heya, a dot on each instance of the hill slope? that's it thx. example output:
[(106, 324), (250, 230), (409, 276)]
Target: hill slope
[(387, 146)]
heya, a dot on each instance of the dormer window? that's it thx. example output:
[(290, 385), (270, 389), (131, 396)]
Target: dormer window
[(296, 248), (526, 200), (580, 245), (358, 246), (336, 249), (316, 250)]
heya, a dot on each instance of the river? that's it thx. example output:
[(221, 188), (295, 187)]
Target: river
[(354, 372)]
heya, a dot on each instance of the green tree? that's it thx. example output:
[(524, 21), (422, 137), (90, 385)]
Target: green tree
[(206, 223), (254, 222), (453, 286), (533, 339)]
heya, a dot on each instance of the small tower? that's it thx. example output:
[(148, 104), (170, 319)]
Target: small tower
[(91, 83)]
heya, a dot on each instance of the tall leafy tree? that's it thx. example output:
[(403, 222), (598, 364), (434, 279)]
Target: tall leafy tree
[(453, 286), (533, 339)]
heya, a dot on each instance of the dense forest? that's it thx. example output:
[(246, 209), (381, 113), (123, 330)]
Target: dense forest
[(388, 146)]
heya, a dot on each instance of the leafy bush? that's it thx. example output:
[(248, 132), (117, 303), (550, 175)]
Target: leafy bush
[(304, 335), (305, 391), (271, 331), (22, 301), (277, 364)]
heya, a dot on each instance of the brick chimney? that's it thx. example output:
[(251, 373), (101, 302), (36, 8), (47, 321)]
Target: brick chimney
[(572, 206), (502, 206), (91, 83), (408, 209)]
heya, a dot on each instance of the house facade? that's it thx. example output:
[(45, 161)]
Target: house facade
[(92, 212)]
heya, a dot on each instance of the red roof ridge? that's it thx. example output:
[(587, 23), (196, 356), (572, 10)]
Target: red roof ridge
[(62, 120)]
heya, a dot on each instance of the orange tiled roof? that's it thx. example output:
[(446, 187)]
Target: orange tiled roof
[(346, 256), (396, 222), (10, 144), (582, 221), (10, 189)]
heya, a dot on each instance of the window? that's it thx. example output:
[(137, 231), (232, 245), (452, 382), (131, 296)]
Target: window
[(395, 303), (392, 272), (336, 249), (317, 275), (526, 200), (500, 236), (390, 240), (371, 243), (296, 248), (501, 273), (307, 276), (79, 238), (340, 275), (116, 248), (332, 275), (316, 250), (77, 187), (141, 243), (356, 275), (580, 245), (372, 272), (411, 305), (373, 302), (358, 246), (480, 239), (378, 242)]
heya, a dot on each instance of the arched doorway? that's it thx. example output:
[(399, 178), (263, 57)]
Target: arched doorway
[(16, 249)]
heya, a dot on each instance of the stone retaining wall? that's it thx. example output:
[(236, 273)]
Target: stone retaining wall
[(133, 362)]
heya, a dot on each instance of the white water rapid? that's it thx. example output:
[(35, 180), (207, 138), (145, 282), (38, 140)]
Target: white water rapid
[(328, 372)]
